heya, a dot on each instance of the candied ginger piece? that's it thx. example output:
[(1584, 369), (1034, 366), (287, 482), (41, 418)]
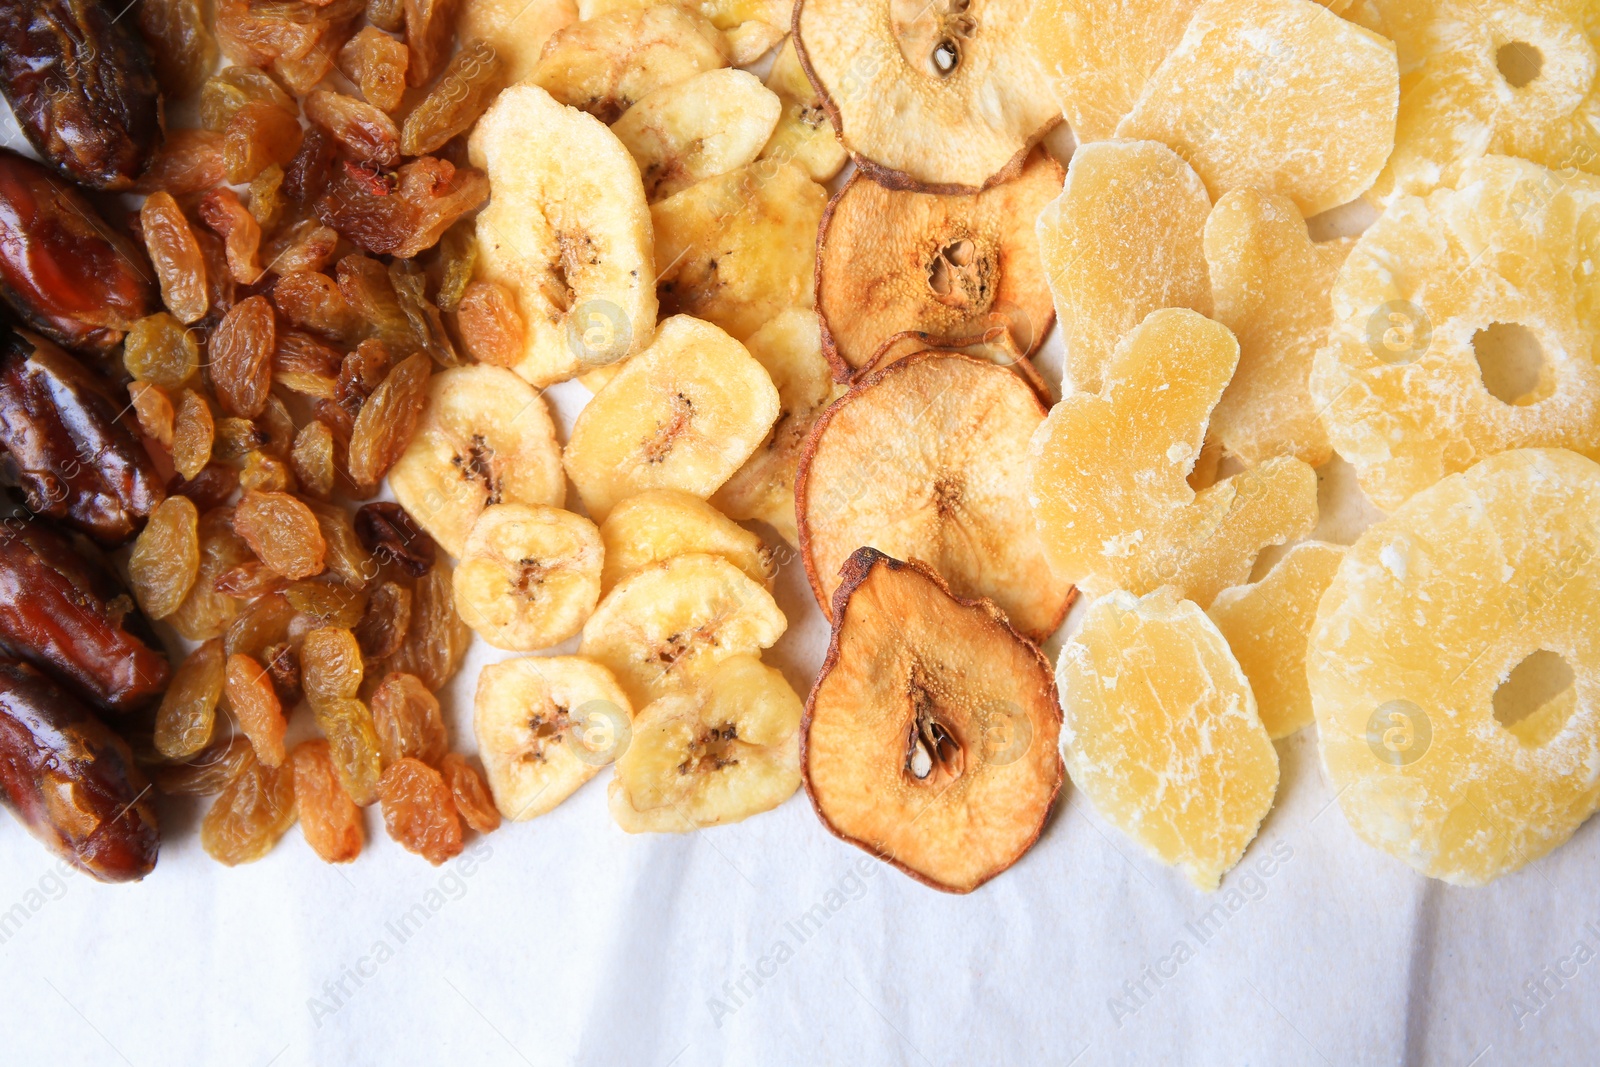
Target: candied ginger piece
[(1459, 329), (1160, 731), (1266, 624), (1099, 54), (1433, 609), (1108, 473), (1124, 238), (1278, 95), (1270, 285)]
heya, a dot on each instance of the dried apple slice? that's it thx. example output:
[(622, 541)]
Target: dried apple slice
[(943, 96), (667, 626), (661, 523), (683, 414), (516, 29), (738, 248), (718, 753), (567, 230), (950, 267), (528, 576), (804, 134), (930, 737), (927, 460), (606, 64), (713, 123)]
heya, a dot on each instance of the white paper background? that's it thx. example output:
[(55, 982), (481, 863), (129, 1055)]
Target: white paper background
[(565, 940)]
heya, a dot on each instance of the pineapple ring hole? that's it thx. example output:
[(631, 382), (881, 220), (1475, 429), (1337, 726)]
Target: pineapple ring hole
[(1519, 63), (1511, 361), (1523, 702)]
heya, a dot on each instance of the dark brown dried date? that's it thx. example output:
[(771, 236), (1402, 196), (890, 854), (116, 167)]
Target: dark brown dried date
[(70, 447), (74, 620), (71, 781), (81, 83), (62, 268)]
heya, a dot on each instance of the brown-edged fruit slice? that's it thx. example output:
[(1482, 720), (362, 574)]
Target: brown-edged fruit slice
[(930, 736)]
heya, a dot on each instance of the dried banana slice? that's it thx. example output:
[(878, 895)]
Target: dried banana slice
[(718, 753), (944, 96), (927, 460), (545, 725), (661, 523), (567, 231), (485, 438), (606, 64), (749, 27), (1108, 473), (529, 577), (738, 248), (804, 134), (711, 124), (950, 267), (516, 29), (930, 737), (790, 348), (683, 414), (667, 626)]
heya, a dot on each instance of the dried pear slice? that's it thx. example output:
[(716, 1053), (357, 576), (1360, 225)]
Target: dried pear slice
[(927, 460), (1109, 473), (517, 30), (930, 737), (712, 123), (661, 523), (1099, 55), (1433, 609), (717, 753), (568, 231), (1160, 732), (529, 576), (951, 267), (1125, 237), (485, 438), (667, 626), (942, 96), (683, 414), (545, 725), (606, 64), (1277, 95), (804, 134), (738, 248), (790, 348), (994, 345)]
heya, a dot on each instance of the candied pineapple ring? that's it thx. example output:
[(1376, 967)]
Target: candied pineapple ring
[(1428, 615), (1419, 305)]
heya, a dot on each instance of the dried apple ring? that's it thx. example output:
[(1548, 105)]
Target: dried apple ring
[(1435, 608), (1439, 313)]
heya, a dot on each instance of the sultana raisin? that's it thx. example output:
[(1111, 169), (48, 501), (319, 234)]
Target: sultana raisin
[(462, 94), (469, 792), (458, 258), (283, 666), (419, 812), (231, 88), (153, 408), (490, 325), (328, 817), (267, 474), (387, 14), (313, 459), (160, 350), (188, 712), (330, 666), (306, 245), (427, 196), (327, 603), (427, 324), (347, 559), (383, 626), (206, 772), (211, 488), (227, 216), (388, 420), (437, 639), (278, 425), (315, 302), (262, 623), (255, 707), (166, 557), (249, 580), (236, 439), (253, 811), (258, 136), (306, 177), (188, 162), (241, 357), (305, 365), (205, 613), (354, 746), (387, 530), (174, 252), (408, 720), (360, 374), (221, 290), (431, 33), (362, 128), (282, 532), (377, 63), (370, 294), (181, 44), (266, 198), (303, 73), (193, 434)]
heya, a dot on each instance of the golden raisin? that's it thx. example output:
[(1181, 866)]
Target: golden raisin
[(313, 459), (326, 603), (282, 532), (255, 706), (408, 720), (258, 136), (346, 558), (221, 210), (206, 772), (176, 256), (366, 131), (369, 293), (265, 473), (455, 102), (490, 325), (205, 613), (470, 793), (188, 162), (330, 666), (315, 302), (458, 258), (266, 199), (376, 62), (328, 817), (249, 580), (383, 626), (181, 44), (241, 357), (153, 408), (419, 812), (166, 557), (437, 639), (262, 623), (188, 711), (232, 88), (354, 747), (159, 350), (388, 420), (253, 811), (306, 245), (193, 434)]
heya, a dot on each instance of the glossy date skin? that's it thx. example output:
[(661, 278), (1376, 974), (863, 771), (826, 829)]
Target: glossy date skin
[(82, 86), (71, 781), (63, 269), (68, 445)]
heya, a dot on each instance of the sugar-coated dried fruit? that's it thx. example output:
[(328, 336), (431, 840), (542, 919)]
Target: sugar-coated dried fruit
[(927, 460), (683, 414), (1125, 238), (710, 124), (1459, 329), (328, 817), (661, 523), (717, 753), (545, 725), (437, 639), (1160, 731), (1415, 655), (419, 812), (1253, 83), (353, 744), (377, 63), (250, 815), (408, 721), (255, 707), (1270, 285), (567, 231), (1266, 624), (166, 557), (1108, 473), (804, 133), (187, 716), (471, 795), (929, 739), (667, 626), (282, 532), (176, 257), (606, 64), (529, 576), (241, 357)]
